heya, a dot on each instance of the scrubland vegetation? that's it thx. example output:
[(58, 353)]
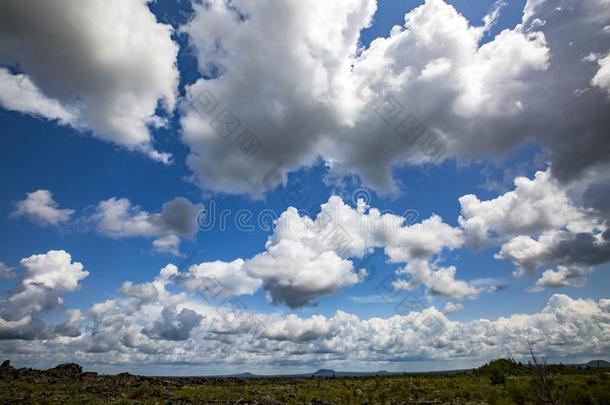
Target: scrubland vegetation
[(498, 382)]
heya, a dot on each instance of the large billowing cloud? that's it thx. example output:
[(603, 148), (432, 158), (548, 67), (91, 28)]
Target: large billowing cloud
[(534, 206), (285, 79), (307, 258), (284, 85), (249, 122), (539, 224), (46, 277), (103, 66)]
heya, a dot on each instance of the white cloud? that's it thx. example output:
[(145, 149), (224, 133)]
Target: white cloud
[(452, 307), (480, 99), (436, 43), (308, 258), (148, 323), (422, 240), (40, 208), (438, 281), (372, 299), (539, 223), (534, 206), (71, 327), (173, 325), (118, 218), (100, 66), (187, 330), (296, 274), (168, 244), (556, 247), (564, 276), (602, 77), (46, 277), (528, 253), (151, 292), (18, 93), (219, 279), (298, 96)]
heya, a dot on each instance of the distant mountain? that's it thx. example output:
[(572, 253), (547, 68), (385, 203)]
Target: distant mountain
[(507, 366), (245, 375), (324, 372), (239, 375)]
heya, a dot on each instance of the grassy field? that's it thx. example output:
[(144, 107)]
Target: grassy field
[(491, 385)]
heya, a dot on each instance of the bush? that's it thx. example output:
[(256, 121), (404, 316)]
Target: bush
[(497, 377)]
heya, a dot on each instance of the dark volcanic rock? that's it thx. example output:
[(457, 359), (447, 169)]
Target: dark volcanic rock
[(66, 371), (7, 372)]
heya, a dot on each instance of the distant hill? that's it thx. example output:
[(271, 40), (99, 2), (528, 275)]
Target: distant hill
[(597, 364), (323, 372), (244, 375)]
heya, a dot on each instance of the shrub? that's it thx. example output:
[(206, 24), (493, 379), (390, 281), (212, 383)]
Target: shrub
[(497, 377)]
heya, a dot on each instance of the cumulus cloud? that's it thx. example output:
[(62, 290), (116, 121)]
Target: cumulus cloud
[(534, 206), (539, 223), (438, 281), (40, 208), (118, 218), (296, 275), (173, 325), (462, 88), (435, 68), (562, 277), (556, 247), (602, 77), (150, 323), (151, 292), (71, 327), (248, 122), (168, 244), (452, 307), (298, 97), (18, 93), (219, 279), (39, 290), (307, 258), (98, 66), (194, 333)]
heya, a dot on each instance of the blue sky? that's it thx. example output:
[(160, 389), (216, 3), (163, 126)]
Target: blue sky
[(81, 166)]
